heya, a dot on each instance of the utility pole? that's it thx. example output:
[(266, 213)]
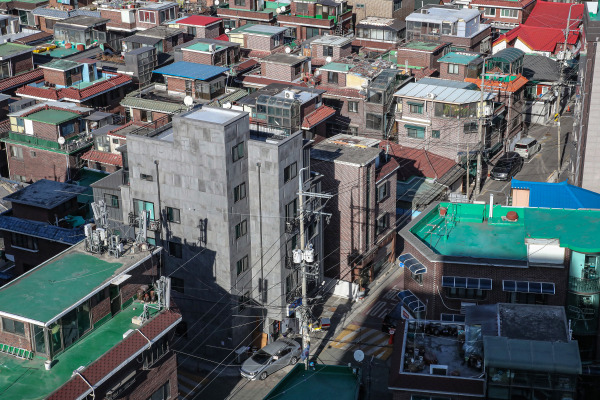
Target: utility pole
[(480, 132), (468, 172)]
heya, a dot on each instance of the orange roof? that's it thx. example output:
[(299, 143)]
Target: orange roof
[(317, 116), (103, 157), (512, 86)]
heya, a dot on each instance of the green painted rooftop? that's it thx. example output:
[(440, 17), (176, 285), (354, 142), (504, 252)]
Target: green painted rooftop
[(466, 231), (338, 67), (459, 58), (325, 381), (55, 286), (63, 65), (27, 379), (204, 47), (7, 49), (416, 45), (54, 117)]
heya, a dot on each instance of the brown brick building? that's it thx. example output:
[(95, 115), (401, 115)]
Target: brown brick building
[(416, 55)]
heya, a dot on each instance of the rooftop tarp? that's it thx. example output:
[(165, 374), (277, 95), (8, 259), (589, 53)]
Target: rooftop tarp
[(532, 355), (191, 70)]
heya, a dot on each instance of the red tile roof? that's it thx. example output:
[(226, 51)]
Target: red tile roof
[(199, 20), (340, 91), (417, 162), (246, 65), (36, 37), (389, 167), (21, 79), (223, 37), (72, 93), (512, 86), (103, 157), (539, 39), (547, 14), (316, 117)]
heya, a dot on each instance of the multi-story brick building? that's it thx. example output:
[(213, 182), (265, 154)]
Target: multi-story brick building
[(105, 156), (45, 142), (415, 56), (209, 52), (201, 26), (460, 65), (103, 333), (462, 28), (29, 236), (321, 48), (309, 18), (81, 83), (396, 9), (378, 34), (200, 81), (15, 59), (361, 233), (242, 12), (258, 40), (163, 39)]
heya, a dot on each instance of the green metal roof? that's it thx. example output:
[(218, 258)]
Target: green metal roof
[(28, 379), (532, 355), (459, 58), (54, 117), (203, 47), (63, 65), (7, 49), (337, 382), (466, 230), (510, 54), (152, 105), (55, 286), (338, 67), (416, 45)]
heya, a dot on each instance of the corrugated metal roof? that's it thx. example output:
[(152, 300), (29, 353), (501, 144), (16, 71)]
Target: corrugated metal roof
[(558, 195), (258, 29), (442, 94), (459, 58), (41, 230), (150, 41), (228, 98), (152, 105), (191, 70)]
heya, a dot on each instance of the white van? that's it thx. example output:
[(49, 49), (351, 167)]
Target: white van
[(527, 147)]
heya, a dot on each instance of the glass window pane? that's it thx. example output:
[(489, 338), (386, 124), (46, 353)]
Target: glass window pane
[(522, 286), (509, 286), (40, 342), (460, 282)]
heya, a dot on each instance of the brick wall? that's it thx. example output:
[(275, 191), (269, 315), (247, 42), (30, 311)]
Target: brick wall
[(196, 57), (312, 9), (26, 260), (209, 32), (432, 280), (22, 63), (279, 72), (55, 77), (259, 42), (352, 118), (462, 72), (11, 339), (410, 57), (44, 26), (100, 309), (44, 165), (469, 44), (341, 79), (116, 19)]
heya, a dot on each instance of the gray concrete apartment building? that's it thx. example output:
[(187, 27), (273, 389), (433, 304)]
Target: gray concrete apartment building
[(199, 178)]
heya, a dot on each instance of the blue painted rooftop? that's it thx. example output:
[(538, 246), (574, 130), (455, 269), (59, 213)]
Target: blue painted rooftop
[(558, 195), (41, 230), (184, 69)]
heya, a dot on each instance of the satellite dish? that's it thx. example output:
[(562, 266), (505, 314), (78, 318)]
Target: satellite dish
[(359, 355), (317, 72), (188, 101), (288, 49), (227, 30), (61, 140), (227, 105), (278, 9), (328, 59), (217, 2)]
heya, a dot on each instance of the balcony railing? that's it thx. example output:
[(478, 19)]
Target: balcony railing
[(72, 145), (581, 285), (584, 320)]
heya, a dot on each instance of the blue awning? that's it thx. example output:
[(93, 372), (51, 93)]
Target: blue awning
[(466, 283), (528, 287), (411, 301), (407, 260)]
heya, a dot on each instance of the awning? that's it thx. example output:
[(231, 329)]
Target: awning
[(422, 128), (531, 355), (466, 283), (414, 103), (528, 287), (411, 301), (413, 265)]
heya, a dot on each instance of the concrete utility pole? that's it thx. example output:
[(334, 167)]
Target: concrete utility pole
[(480, 131)]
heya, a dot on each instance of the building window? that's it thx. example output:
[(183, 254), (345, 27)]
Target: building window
[(175, 249), (353, 130), (453, 69), (241, 229), (32, 154), (489, 12), (177, 284), (24, 241), (174, 215), (360, 6), (435, 134), (302, 9), (509, 13), (145, 116), (291, 210), (111, 200), (12, 326), (353, 106), (417, 277), (141, 205), (290, 172), (466, 288), (332, 77), (470, 127), (397, 5), (16, 152), (115, 141), (242, 265), (415, 108), (327, 51), (146, 177), (163, 393), (239, 192), (311, 32), (417, 132), (527, 298), (383, 223), (528, 287), (383, 191), (374, 121), (452, 318), (147, 16), (191, 30), (237, 151)]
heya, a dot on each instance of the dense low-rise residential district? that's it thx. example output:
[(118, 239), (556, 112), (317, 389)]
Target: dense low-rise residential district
[(299, 199)]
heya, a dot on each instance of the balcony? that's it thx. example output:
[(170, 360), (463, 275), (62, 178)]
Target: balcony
[(73, 145), (581, 285)]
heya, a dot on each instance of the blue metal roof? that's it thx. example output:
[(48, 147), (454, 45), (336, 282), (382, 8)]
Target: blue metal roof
[(558, 195), (184, 69), (41, 230)]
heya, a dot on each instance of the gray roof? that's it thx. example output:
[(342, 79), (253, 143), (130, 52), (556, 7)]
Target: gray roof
[(331, 40), (352, 153), (112, 181), (161, 32), (83, 20), (532, 322), (510, 54), (152, 105), (97, 116), (147, 40), (443, 15), (45, 194), (63, 14), (448, 83), (281, 58), (540, 68), (442, 93)]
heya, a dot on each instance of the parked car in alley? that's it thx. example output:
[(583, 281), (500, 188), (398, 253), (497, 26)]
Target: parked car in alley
[(271, 358), (507, 166), (527, 147)]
